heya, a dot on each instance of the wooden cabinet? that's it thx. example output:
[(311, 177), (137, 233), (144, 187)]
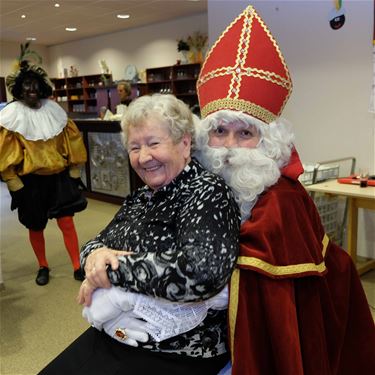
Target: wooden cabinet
[(78, 94), (3, 92), (107, 174), (86, 94), (179, 80)]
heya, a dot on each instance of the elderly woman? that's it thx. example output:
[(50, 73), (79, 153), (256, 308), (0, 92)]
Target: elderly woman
[(174, 239)]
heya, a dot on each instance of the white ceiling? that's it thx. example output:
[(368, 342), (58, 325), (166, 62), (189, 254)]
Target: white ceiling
[(47, 23)]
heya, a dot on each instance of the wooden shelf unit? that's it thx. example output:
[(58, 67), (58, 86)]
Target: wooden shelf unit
[(86, 94), (179, 80), (105, 179), (78, 94)]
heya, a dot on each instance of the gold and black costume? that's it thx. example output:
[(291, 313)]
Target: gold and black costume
[(39, 146)]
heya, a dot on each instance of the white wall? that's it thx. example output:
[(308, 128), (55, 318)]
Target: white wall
[(332, 75), (145, 47), (10, 51)]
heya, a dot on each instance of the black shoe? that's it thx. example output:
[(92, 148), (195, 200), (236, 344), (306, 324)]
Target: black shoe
[(42, 277), (78, 275)]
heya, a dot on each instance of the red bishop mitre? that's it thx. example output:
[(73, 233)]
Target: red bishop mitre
[(245, 71)]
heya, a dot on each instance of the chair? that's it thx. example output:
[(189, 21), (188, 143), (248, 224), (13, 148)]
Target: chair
[(332, 209)]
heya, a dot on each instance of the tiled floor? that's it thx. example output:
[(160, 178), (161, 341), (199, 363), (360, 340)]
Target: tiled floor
[(37, 323)]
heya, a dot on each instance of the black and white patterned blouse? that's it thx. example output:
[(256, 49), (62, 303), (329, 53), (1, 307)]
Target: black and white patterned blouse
[(185, 240)]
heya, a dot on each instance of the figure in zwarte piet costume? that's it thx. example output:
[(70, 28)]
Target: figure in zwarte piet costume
[(41, 151)]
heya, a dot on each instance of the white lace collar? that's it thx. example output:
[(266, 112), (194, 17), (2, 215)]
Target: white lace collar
[(34, 124)]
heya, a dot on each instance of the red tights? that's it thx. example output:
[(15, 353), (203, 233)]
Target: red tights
[(66, 225)]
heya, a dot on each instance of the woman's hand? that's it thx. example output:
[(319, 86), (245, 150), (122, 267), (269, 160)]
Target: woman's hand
[(85, 293), (97, 263)]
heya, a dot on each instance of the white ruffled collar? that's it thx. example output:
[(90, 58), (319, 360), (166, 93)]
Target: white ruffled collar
[(43, 123)]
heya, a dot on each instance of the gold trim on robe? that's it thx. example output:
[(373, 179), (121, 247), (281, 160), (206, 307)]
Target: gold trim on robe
[(271, 269)]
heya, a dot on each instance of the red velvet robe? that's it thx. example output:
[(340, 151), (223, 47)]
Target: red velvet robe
[(296, 302)]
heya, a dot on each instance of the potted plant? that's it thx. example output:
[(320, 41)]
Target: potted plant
[(197, 43), (183, 47), (106, 76)]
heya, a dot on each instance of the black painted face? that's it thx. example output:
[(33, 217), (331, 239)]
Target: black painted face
[(31, 93)]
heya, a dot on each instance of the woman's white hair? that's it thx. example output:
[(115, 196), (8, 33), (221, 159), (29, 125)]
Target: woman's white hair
[(166, 108), (276, 138)]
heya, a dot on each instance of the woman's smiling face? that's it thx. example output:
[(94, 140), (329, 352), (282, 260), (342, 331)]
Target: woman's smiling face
[(153, 154)]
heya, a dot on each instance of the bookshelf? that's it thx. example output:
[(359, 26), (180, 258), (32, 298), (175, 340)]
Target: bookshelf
[(179, 80), (78, 94)]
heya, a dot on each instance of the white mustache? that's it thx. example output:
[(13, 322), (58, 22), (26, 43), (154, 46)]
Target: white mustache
[(235, 157), (247, 171)]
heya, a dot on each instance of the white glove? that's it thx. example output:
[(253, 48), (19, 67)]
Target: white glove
[(107, 304), (127, 329), (219, 301)]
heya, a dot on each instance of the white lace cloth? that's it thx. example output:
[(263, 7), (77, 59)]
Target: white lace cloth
[(162, 319), (34, 124)]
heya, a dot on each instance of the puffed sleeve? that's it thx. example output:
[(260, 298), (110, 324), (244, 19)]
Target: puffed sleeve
[(11, 155), (75, 148)]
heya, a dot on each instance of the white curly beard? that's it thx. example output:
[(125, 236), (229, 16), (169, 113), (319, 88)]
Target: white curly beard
[(247, 171)]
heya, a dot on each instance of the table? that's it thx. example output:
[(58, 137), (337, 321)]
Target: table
[(357, 198)]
